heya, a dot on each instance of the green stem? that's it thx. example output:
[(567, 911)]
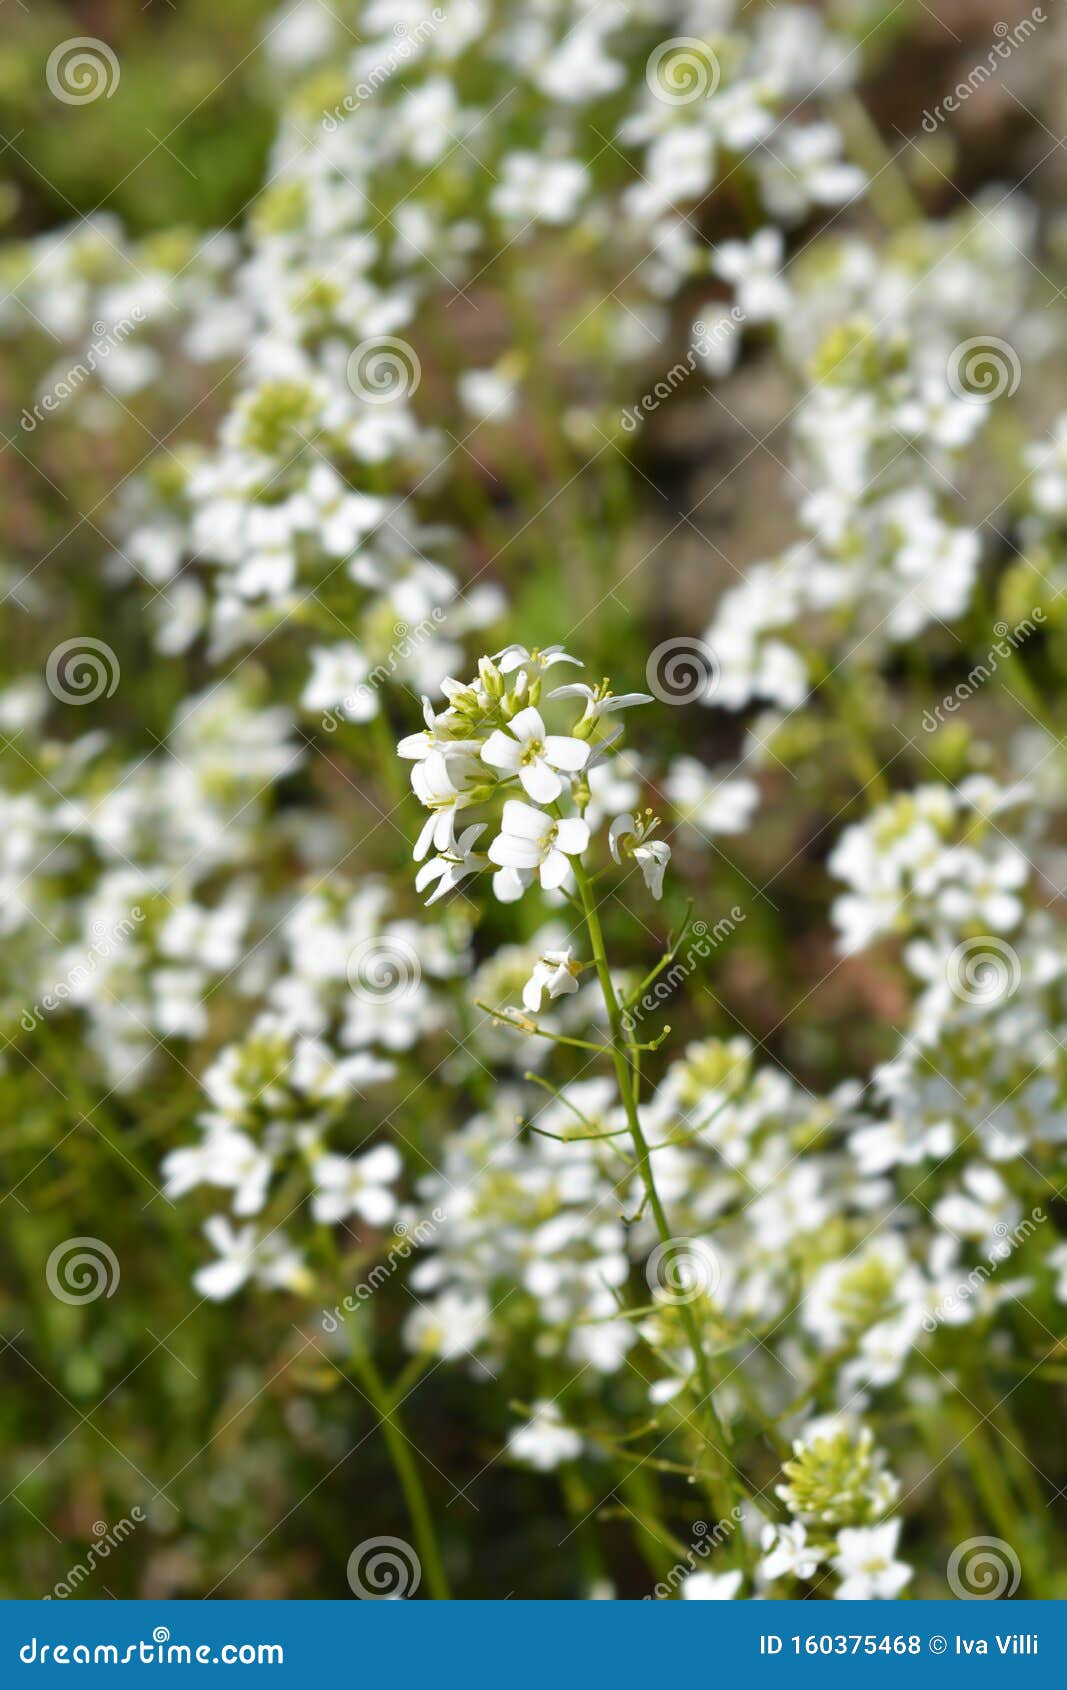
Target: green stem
[(580, 1503), (731, 1486), (405, 1466), (888, 189)]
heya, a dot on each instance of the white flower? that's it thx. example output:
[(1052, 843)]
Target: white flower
[(360, 1185), (600, 701), (491, 394), (443, 783), (755, 269), (338, 682), (531, 840), (630, 838), (454, 865), (985, 1212), (554, 973), (297, 35), (707, 805), (544, 1442), (416, 746), (450, 1327), (535, 662), (711, 1587), (1057, 1261), (865, 1562), (787, 1553), (271, 1261), (341, 517), (807, 170), (1048, 465), (534, 188), (226, 1158), (527, 750)]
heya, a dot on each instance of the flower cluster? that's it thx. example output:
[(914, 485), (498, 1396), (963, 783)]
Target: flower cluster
[(900, 354), (492, 741)]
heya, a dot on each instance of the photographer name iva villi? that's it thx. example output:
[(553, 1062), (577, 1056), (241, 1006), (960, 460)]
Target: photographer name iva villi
[(870, 1643)]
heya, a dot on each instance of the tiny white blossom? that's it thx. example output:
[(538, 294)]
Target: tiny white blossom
[(531, 840), (866, 1562), (528, 750), (544, 1441), (787, 1553), (360, 1185), (631, 838), (711, 1587), (555, 973), (244, 1256)]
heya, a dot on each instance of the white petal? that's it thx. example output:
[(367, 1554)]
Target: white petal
[(465, 842), (572, 836), (381, 1164), (620, 826), (626, 700), (564, 752), (554, 870), (539, 781), (511, 852), (432, 870), (509, 884), (376, 1205), (220, 1280), (527, 724), (573, 689), (422, 843), (329, 1207), (524, 821), (221, 1236), (500, 751)]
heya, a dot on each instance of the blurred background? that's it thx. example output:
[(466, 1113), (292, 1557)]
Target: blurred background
[(249, 1466)]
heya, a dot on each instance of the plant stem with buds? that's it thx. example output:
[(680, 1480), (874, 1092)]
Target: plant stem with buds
[(731, 1484)]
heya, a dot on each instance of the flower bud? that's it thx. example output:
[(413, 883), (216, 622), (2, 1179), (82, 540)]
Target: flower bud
[(491, 678)]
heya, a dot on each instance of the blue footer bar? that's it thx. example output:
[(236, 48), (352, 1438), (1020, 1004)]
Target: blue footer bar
[(531, 1644)]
